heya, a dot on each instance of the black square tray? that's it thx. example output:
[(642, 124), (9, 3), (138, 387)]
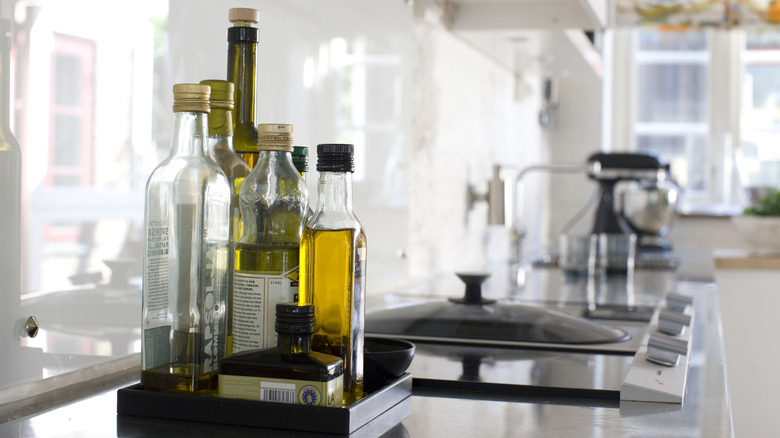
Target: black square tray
[(134, 401)]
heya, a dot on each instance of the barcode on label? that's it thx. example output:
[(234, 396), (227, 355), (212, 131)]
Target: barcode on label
[(277, 395)]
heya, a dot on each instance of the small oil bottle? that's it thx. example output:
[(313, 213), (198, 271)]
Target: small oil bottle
[(289, 373), (333, 267)]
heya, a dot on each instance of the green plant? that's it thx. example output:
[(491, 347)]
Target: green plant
[(769, 205)]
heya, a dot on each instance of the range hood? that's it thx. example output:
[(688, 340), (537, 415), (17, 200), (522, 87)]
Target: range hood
[(507, 15)]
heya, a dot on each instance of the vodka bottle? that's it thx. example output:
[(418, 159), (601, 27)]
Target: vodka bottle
[(185, 256), (274, 203), (333, 267)]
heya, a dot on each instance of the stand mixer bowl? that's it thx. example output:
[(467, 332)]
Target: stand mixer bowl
[(648, 206)]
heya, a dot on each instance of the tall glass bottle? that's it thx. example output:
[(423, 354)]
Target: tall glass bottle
[(333, 267), (185, 256), (236, 170), (274, 202), (242, 39), (10, 222)]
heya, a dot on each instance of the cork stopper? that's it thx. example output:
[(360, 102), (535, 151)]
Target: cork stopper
[(191, 97), (275, 137), (244, 17), (221, 93)]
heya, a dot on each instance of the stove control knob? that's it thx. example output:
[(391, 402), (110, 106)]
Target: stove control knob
[(672, 322), (678, 301), (662, 357), (679, 346)]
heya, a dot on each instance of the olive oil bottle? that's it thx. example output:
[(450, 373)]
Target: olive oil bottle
[(288, 373), (274, 203), (185, 259), (333, 267), (242, 39), (236, 170)]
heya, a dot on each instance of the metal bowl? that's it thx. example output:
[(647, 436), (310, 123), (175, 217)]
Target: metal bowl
[(386, 358), (648, 207)]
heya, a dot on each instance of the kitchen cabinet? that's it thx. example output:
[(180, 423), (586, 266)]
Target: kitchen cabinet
[(750, 305)]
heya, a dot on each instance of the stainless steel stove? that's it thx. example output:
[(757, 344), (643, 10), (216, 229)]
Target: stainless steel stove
[(646, 360)]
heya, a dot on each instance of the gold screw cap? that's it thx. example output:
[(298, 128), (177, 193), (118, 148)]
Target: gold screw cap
[(191, 97), (275, 137), (244, 17), (221, 93)]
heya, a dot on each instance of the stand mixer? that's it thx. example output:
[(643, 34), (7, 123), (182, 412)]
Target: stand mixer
[(636, 195), (635, 199)]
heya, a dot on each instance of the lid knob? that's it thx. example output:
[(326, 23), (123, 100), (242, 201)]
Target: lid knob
[(473, 293)]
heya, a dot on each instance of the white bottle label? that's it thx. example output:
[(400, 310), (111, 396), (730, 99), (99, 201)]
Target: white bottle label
[(157, 273), (156, 325), (254, 308)]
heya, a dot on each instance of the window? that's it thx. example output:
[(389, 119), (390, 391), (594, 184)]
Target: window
[(706, 102), (758, 160), (671, 108), (70, 117)]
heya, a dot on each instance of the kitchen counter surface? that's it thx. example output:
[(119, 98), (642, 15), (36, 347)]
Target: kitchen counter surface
[(747, 259), (437, 412)]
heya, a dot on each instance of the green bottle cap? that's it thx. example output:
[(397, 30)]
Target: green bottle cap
[(300, 157)]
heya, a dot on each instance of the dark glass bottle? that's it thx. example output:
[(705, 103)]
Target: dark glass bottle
[(290, 372), (300, 158), (242, 39)]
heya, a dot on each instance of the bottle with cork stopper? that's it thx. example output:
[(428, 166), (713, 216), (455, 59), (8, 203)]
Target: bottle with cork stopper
[(242, 39)]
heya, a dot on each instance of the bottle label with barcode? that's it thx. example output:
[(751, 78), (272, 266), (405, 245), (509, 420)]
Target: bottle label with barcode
[(301, 392)]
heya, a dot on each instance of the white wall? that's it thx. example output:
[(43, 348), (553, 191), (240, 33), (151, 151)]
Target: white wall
[(467, 117), (459, 112)]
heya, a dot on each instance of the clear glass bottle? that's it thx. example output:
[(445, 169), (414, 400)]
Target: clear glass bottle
[(333, 267), (236, 169), (289, 372), (242, 39), (185, 256), (274, 202), (10, 223)]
